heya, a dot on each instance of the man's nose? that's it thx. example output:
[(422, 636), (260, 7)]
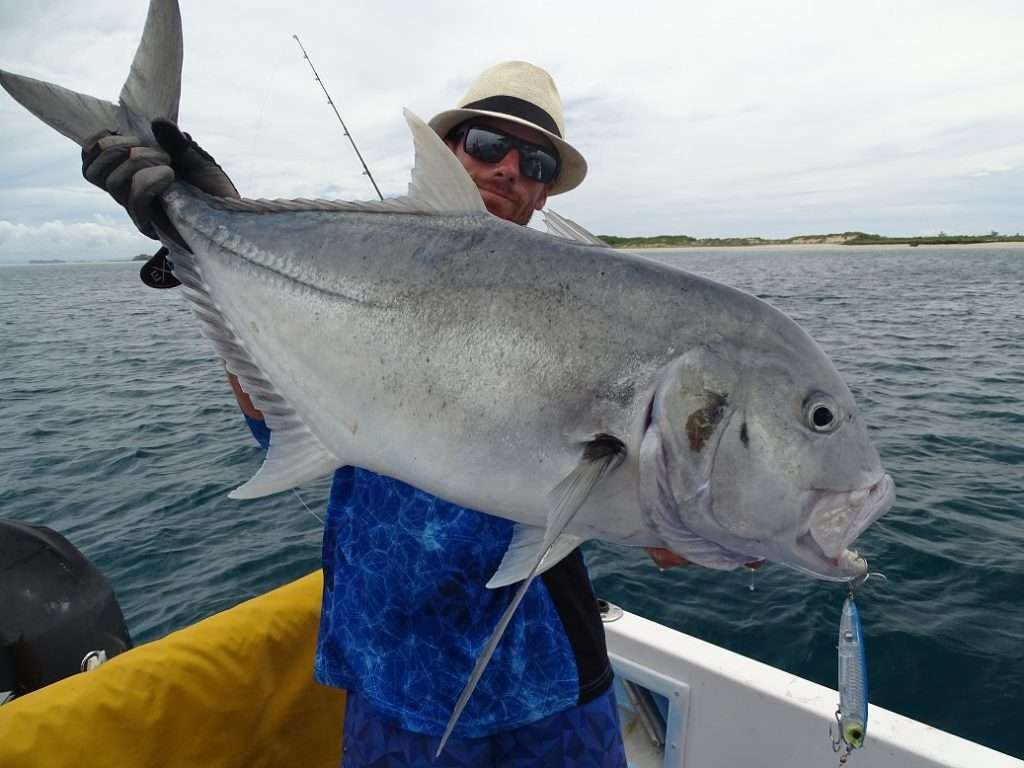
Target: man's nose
[(509, 164)]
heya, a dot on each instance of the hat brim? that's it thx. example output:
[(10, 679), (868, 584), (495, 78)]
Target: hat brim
[(573, 166)]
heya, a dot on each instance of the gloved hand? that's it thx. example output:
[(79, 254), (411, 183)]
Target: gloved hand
[(135, 175)]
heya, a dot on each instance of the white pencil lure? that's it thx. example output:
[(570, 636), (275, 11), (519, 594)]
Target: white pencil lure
[(852, 714)]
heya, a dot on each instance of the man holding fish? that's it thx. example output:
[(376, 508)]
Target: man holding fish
[(578, 392), (405, 609)]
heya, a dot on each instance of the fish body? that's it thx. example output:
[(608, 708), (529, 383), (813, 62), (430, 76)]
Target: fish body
[(853, 678), (478, 357), (581, 392), (481, 361)]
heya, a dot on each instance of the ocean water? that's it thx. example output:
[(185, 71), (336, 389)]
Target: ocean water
[(120, 433)]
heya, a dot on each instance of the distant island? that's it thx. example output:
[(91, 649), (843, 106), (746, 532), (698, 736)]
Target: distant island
[(141, 257), (843, 238), (47, 261)]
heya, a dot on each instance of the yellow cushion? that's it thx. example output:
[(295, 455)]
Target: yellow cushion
[(235, 689)]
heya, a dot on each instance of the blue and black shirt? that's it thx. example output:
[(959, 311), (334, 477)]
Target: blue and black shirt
[(405, 613)]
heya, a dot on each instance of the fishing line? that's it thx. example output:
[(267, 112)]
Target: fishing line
[(268, 93), (366, 172), (314, 514)]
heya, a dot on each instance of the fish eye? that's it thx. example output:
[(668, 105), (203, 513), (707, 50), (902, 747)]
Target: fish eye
[(821, 412)]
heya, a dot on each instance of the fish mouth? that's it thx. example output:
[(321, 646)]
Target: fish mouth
[(836, 519)]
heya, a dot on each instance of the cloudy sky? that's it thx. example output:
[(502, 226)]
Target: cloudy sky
[(739, 117)]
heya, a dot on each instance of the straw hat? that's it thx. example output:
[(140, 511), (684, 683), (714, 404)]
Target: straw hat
[(524, 94)]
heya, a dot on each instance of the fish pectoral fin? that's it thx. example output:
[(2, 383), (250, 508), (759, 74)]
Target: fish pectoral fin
[(600, 455), (522, 554)]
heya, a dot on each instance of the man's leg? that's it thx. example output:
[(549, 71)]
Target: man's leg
[(371, 741), (586, 736)]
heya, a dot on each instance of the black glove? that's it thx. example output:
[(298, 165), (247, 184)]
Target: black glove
[(135, 175)]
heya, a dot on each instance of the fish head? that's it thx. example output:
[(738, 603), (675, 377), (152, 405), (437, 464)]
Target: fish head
[(748, 456)]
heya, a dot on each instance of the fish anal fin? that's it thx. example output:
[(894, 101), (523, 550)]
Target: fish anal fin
[(294, 457)]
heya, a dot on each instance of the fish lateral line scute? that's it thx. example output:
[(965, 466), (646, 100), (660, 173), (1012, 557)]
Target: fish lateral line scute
[(222, 238)]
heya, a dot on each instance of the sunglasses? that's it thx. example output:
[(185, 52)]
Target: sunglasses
[(489, 145)]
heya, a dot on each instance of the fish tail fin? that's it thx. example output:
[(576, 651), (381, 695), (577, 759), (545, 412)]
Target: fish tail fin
[(75, 115), (152, 90)]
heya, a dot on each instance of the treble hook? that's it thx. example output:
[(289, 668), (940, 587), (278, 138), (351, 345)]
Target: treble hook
[(836, 740), (838, 743)]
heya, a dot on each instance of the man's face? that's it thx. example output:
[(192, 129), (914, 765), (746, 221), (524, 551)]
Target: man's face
[(505, 191)]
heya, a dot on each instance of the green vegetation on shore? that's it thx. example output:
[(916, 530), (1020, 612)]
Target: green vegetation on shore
[(843, 238)]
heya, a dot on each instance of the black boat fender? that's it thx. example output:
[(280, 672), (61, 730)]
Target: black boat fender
[(59, 614)]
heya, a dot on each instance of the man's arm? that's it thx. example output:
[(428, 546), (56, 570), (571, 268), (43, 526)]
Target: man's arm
[(244, 401), (253, 416), (135, 176)]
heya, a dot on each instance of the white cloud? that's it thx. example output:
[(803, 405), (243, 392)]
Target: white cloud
[(739, 117), (70, 241)]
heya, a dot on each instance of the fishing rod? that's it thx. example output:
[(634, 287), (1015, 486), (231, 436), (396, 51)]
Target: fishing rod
[(366, 170)]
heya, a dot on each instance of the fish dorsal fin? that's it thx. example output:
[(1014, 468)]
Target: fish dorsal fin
[(439, 183), (559, 226), (153, 87)]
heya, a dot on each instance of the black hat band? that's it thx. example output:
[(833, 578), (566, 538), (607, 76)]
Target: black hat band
[(515, 107)]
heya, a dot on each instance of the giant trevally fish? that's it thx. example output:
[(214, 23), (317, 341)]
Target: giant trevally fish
[(581, 392)]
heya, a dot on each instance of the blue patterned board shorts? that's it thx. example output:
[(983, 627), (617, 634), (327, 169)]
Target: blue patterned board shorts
[(585, 736)]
